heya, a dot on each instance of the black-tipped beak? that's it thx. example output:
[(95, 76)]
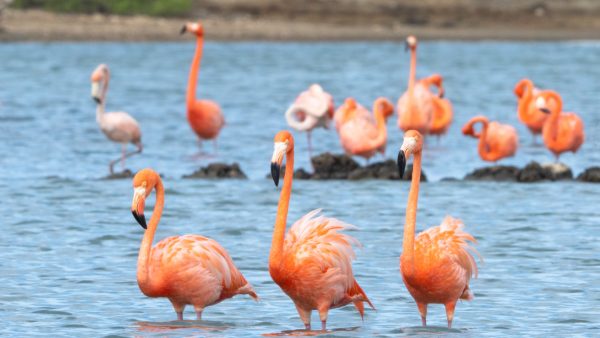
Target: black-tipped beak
[(401, 163), (545, 110), (183, 30), (140, 218), (97, 99), (275, 170)]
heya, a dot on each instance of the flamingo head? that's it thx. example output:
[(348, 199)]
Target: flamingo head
[(284, 143), (411, 43), (143, 184), (542, 104), (99, 78), (194, 28), (437, 80), (521, 86), (412, 144), (385, 106)]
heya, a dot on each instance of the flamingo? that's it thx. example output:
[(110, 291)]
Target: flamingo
[(205, 116), (189, 269), (527, 111), (312, 108), (312, 263), (562, 131), (496, 140), (442, 108), (365, 134), (415, 105), (117, 126), (436, 266)]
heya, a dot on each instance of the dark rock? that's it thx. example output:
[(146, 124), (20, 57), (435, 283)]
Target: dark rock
[(494, 173), (533, 172), (557, 171), (449, 179), (120, 175), (408, 174), (218, 170), (590, 175), (330, 166)]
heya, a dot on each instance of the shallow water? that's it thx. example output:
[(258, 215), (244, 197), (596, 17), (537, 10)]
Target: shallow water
[(69, 245)]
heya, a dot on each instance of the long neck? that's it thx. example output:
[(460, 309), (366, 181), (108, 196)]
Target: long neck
[(412, 74), (193, 79), (100, 106), (483, 147), (555, 114), (143, 277), (282, 211), (380, 121), (408, 243), (528, 92)]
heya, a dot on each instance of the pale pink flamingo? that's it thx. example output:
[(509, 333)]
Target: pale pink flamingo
[(117, 126)]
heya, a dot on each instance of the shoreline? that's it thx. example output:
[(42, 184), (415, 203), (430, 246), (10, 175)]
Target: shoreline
[(35, 25)]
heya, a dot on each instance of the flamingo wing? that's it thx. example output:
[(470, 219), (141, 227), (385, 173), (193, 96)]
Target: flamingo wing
[(312, 108), (120, 127)]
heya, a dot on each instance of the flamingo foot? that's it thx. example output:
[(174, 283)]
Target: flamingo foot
[(198, 315), (324, 325), (307, 326), (180, 315), (423, 321)]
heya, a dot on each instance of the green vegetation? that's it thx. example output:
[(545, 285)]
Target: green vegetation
[(120, 7)]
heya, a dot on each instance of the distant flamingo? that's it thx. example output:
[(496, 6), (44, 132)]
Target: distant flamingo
[(562, 131), (415, 108), (496, 140), (313, 263), (365, 135), (312, 108), (117, 126), (442, 108), (205, 116), (436, 266), (189, 269), (528, 113)]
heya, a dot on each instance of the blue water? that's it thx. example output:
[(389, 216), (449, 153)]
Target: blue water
[(69, 245)]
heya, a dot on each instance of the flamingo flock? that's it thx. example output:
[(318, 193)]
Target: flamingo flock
[(312, 261)]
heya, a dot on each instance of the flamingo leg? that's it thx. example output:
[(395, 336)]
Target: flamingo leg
[(123, 150), (178, 309), (112, 163), (423, 311), (198, 312), (450, 312), (323, 316), (304, 316)]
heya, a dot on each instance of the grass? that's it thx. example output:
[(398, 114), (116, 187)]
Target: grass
[(119, 7)]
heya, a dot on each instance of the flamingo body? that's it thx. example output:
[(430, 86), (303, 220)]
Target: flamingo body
[(312, 108), (562, 131), (415, 111), (441, 109), (496, 140)]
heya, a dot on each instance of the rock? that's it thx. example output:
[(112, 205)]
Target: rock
[(590, 175), (302, 174), (120, 175), (533, 172), (494, 173), (557, 171), (331, 166), (449, 179), (408, 174), (218, 170)]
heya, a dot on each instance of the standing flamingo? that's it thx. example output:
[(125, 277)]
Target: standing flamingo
[(562, 131), (205, 116), (496, 140), (313, 263), (366, 134), (436, 266), (527, 111), (312, 108), (117, 126), (189, 269), (441, 108), (415, 105)]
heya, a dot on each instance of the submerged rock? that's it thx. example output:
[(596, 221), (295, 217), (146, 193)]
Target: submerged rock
[(557, 171), (120, 175), (494, 173), (535, 172), (218, 170), (590, 175)]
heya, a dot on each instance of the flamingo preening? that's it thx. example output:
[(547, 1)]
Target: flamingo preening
[(527, 111), (496, 140), (562, 131), (188, 270), (205, 116), (312, 263), (436, 266), (117, 126), (441, 107)]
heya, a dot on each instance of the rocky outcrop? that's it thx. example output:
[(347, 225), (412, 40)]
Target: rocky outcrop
[(494, 173), (218, 170), (532, 172), (590, 175), (120, 175)]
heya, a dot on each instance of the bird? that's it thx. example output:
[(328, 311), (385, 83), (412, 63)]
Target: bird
[(437, 265), (313, 108), (415, 107), (312, 263), (527, 111), (562, 131), (205, 116), (365, 134), (117, 126), (189, 269), (441, 107), (496, 140)]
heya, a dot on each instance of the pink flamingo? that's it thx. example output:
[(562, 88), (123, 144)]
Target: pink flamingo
[(312, 108), (117, 126), (188, 270)]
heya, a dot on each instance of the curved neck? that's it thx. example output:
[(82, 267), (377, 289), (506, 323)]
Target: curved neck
[(282, 211), (528, 92), (554, 114), (482, 147), (408, 243), (195, 68), (143, 277), (380, 120)]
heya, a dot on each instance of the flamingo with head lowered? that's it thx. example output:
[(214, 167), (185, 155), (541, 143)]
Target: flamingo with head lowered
[(441, 107), (117, 126), (312, 263), (205, 116), (188, 270), (436, 266), (528, 113), (496, 140)]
